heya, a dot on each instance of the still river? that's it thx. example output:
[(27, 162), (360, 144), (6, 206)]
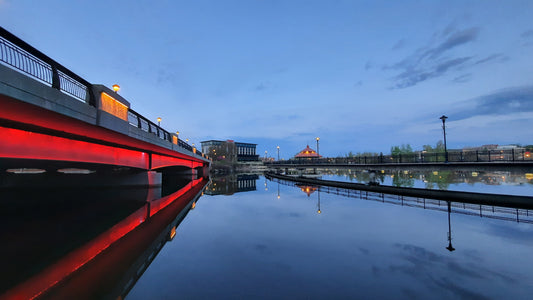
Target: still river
[(246, 237)]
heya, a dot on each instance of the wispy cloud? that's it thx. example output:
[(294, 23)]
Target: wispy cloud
[(503, 102), (399, 44), (437, 59), (498, 57), (414, 75), (527, 37)]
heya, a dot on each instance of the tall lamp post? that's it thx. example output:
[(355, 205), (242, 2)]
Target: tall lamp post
[(317, 151), (443, 118), (266, 154), (278, 152)]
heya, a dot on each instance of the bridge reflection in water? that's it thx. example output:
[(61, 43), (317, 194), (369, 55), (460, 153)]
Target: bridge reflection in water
[(87, 243), (515, 213)]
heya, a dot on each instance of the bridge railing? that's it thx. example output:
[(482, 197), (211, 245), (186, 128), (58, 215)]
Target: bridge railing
[(137, 120), (19, 55), (507, 155)]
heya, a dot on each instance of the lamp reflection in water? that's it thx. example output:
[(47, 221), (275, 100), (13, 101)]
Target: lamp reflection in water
[(319, 211), (278, 191), (450, 247)]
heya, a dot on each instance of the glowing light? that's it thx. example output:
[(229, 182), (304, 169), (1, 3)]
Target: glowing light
[(172, 233), (474, 174), (25, 171), (114, 107), (194, 204), (435, 172), (529, 176), (116, 88), (75, 171)]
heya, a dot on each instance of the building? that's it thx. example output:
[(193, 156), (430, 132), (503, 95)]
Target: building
[(307, 153), (230, 151)]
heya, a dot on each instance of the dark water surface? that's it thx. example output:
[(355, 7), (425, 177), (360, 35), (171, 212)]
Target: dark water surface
[(273, 243), (245, 237)]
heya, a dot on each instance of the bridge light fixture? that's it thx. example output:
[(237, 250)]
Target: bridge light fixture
[(158, 121), (116, 88)]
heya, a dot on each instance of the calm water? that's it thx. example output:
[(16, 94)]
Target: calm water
[(508, 182), (248, 237), (273, 243)]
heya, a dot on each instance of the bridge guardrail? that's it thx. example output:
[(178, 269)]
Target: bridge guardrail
[(19, 55), (508, 155)]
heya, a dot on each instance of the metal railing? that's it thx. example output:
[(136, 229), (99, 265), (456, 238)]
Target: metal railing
[(509, 155), (19, 55), (482, 210), (137, 120)]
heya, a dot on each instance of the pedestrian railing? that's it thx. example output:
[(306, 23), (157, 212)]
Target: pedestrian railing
[(507, 155)]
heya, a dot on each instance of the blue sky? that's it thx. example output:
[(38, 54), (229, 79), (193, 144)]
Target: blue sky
[(361, 75)]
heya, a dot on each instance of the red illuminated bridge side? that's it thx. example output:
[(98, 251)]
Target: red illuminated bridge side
[(51, 114)]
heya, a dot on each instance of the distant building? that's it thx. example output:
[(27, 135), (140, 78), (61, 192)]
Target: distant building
[(307, 153), (230, 151)]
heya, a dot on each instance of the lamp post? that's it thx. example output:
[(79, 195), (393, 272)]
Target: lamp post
[(443, 118), (116, 88), (278, 152), (317, 151), (159, 122), (178, 134), (266, 154)]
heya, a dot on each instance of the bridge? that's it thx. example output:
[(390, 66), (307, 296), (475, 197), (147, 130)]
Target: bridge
[(52, 120)]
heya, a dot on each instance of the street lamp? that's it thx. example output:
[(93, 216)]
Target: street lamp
[(266, 154), (187, 141), (278, 152), (443, 118), (178, 134), (317, 151), (159, 122), (116, 88)]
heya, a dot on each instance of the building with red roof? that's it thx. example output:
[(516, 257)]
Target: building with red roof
[(307, 153)]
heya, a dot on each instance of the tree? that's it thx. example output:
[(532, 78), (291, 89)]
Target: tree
[(403, 149)]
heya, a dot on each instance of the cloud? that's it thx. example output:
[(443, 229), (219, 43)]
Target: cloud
[(260, 87), (503, 102), (454, 274), (413, 76), (526, 34), (527, 37), (462, 78), (499, 57), (437, 59), (399, 44), (456, 39), (368, 65)]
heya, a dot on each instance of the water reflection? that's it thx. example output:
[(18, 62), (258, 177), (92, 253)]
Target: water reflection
[(519, 181), (232, 183), (359, 247), (86, 243)]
